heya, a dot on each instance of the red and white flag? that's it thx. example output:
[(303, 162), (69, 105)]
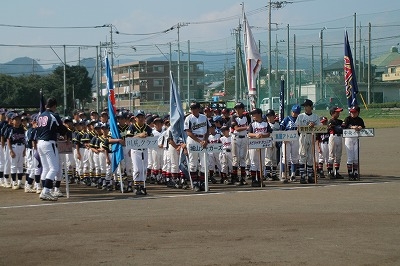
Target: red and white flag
[(253, 58)]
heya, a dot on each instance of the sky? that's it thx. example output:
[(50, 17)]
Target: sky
[(39, 29)]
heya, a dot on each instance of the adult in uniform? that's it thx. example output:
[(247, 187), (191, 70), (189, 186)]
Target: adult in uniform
[(196, 126), (49, 125)]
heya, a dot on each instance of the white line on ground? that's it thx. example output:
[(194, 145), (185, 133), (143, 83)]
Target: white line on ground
[(178, 196)]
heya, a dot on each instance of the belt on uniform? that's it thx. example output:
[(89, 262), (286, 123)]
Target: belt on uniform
[(337, 135), (18, 144), (241, 137), (228, 150), (199, 136)]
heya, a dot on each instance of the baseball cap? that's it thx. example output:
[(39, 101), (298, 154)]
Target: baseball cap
[(67, 119), (15, 115), (335, 109), (270, 112), (307, 102), (239, 105), (256, 111), (149, 120), (217, 118), (354, 109), (323, 119), (105, 125), (104, 113), (158, 119), (97, 125), (195, 105), (296, 109), (34, 117), (223, 128), (9, 114), (139, 112)]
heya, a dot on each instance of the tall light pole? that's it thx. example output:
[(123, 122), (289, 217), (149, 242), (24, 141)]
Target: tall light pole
[(277, 5), (321, 75)]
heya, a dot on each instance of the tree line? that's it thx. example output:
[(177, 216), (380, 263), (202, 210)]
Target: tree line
[(24, 91)]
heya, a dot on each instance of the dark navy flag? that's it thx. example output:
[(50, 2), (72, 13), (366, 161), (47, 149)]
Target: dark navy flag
[(42, 105), (349, 75), (117, 152), (177, 118)]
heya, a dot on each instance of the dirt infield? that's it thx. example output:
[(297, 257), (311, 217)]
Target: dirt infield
[(331, 223)]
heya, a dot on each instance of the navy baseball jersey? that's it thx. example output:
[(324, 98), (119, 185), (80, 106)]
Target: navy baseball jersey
[(49, 125), (16, 135)]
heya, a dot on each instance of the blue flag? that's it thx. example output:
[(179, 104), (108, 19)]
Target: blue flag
[(177, 118), (117, 152), (349, 75), (177, 115)]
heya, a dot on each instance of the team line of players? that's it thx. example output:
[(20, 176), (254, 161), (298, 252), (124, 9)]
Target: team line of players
[(90, 161)]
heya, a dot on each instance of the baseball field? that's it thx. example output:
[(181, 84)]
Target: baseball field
[(335, 222)]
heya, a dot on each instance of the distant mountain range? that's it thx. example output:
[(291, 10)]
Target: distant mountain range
[(215, 62)]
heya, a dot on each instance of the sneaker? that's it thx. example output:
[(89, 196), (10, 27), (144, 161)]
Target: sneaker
[(57, 194), (285, 181), (331, 176), (213, 180), (16, 186), (129, 189), (29, 189), (38, 189), (338, 176), (196, 187), (7, 185), (311, 180), (356, 177), (293, 178), (275, 178), (47, 196), (321, 174), (303, 180), (242, 182), (255, 183)]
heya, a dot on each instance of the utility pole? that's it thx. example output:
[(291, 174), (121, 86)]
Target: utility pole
[(294, 67), (312, 64), (97, 82), (288, 67), (369, 63), (188, 75), (277, 5), (179, 25), (65, 82), (321, 75)]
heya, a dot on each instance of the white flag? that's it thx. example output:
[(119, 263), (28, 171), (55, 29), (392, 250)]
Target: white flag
[(253, 58)]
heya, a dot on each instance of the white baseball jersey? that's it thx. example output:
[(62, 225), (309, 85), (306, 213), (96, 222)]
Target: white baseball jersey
[(198, 125), (304, 119)]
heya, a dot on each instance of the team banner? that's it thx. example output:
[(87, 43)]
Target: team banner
[(349, 74), (260, 143), (64, 146), (288, 135), (352, 133), (141, 143), (315, 129), (211, 148)]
